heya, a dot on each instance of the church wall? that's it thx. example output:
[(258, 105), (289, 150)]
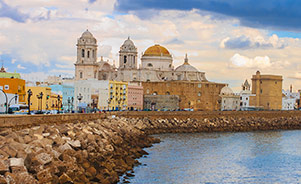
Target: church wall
[(194, 95), (163, 63)]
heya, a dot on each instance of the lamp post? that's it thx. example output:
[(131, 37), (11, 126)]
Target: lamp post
[(69, 104), (79, 98), (40, 96), (15, 97), (6, 108), (72, 99), (58, 103), (29, 95)]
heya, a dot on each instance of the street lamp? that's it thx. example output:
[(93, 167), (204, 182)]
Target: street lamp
[(79, 98), (40, 96), (58, 103), (29, 95), (15, 97), (69, 100), (72, 99)]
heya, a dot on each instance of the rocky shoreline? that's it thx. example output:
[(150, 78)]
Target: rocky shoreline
[(100, 151), (84, 152)]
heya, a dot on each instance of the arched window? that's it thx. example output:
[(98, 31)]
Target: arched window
[(83, 52), (88, 54), (179, 77), (150, 65), (133, 59), (93, 53), (155, 93), (81, 75), (124, 59), (147, 91), (199, 94), (167, 93)]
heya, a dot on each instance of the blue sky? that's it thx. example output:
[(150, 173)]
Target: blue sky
[(229, 40)]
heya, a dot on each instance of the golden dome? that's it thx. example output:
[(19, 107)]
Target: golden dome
[(156, 50)]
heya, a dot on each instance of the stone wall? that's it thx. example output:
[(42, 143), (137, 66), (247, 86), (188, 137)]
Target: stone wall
[(170, 102), (19, 121)]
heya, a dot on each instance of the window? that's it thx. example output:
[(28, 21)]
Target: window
[(167, 93), (124, 59), (260, 90), (95, 74), (199, 101), (150, 65), (93, 53), (133, 59), (179, 77), (199, 94), (275, 82), (155, 93), (240, 98), (83, 52), (147, 91), (247, 98), (88, 54), (81, 75), (199, 85)]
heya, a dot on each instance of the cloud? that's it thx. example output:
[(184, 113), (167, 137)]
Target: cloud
[(174, 41), (13, 61), (92, 1), (21, 67), (34, 76), (240, 61), (244, 42), (255, 13), (11, 12)]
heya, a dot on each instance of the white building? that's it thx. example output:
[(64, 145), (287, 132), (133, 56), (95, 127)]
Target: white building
[(245, 95), (289, 99), (88, 93), (156, 64), (230, 101)]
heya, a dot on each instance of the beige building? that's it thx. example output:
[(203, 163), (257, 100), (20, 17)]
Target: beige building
[(192, 95), (268, 91)]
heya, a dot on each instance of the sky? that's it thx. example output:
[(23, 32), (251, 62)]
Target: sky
[(228, 40)]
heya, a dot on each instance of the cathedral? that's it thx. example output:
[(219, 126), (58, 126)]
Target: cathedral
[(156, 64)]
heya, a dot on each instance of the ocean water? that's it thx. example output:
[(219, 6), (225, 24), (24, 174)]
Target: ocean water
[(209, 158)]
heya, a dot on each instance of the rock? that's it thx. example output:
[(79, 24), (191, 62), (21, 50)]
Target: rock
[(27, 139), (44, 176), (38, 136), (18, 169), (64, 147), (74, 144), (46, 134), (4, 166), (3, 180), (64, 178), (24, 177), (18, 162), (44, 158)]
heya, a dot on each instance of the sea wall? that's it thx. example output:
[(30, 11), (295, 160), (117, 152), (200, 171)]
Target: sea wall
[(103, 147)]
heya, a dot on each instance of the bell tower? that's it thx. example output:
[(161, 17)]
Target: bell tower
[(86, 63), (128, 55)]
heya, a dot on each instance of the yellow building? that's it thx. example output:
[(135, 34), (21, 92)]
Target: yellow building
[(118, 95), (268, 90), (49, 100), (192, 95)]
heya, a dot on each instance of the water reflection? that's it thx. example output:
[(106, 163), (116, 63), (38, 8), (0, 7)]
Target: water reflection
[(255, 157)]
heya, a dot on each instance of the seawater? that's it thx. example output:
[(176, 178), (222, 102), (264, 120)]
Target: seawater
[(250, 157)]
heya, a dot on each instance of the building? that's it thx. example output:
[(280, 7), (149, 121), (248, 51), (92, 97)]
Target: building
[(135, 96), (12, 88), (156, 64), (67, 93), (192, 95), (290, 100), (86, 93), (118, 93), (48, 100), (245, 95), (268, 91), (230, 101), (161, 102)]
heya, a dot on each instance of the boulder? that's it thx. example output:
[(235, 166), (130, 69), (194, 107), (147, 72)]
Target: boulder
[(18, 162), (64, 178), (43, 158), (74, 144)]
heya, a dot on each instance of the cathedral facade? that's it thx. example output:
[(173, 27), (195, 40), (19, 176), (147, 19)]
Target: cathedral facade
[(156, 64)]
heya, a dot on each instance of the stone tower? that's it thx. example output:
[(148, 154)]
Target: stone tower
[(128, 55), (86, 66), (268, 90)]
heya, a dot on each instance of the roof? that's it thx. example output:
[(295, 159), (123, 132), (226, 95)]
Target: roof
[(186, 67), (156, 50), (226, 91)]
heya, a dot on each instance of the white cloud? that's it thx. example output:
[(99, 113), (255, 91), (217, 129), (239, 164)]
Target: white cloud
[(21, 67), (12, 61), (257, 62), (34, 76)]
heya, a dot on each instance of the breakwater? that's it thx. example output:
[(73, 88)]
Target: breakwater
[(100, 149)]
